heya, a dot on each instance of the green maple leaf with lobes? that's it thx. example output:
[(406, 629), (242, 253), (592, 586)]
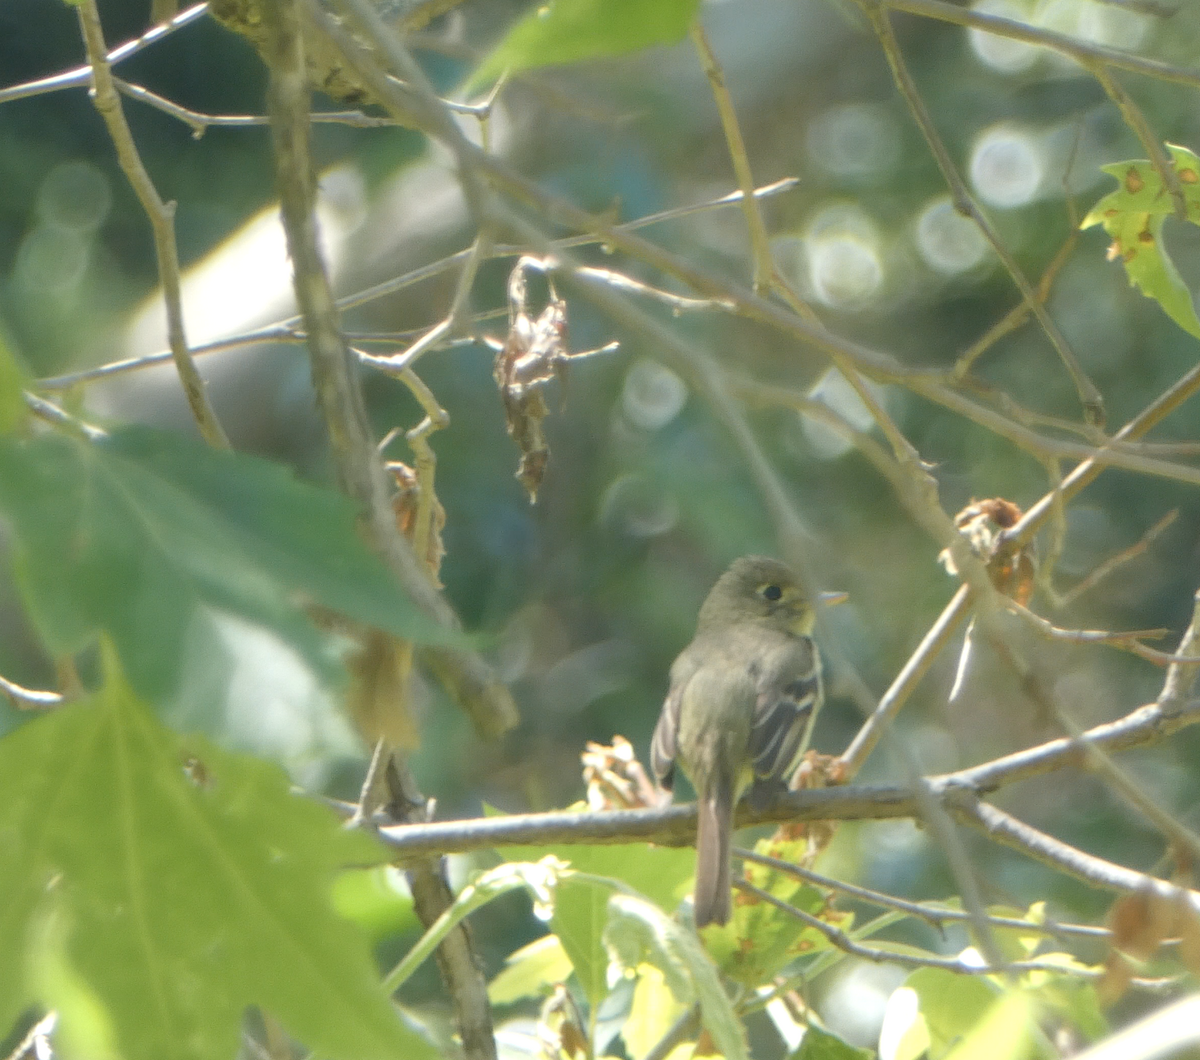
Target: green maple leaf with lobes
[(1134, 215), (150, 907)]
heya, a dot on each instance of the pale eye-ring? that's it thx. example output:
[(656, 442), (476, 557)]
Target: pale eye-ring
[(772, 592)]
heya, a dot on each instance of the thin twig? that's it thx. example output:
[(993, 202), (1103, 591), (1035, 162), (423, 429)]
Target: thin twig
[(1131, 791), (1128, 640), (1087, 470), (81, 76), (1181, 676), (286, 330), (161, 216), (759, 244), (906, 681), (1016, 316), (959, 965), (199, 123), (51, 413), (1119, 560), (1005, 829), (934, 915), (1084, 51), (965, 204)]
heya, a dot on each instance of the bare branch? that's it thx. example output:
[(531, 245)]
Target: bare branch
[(965, 204), (906, 681), (161, 216), (959, 965), (1085, 52), (935, 915), (1119, 560), (81, 76), (764, 266), (1182, 675)]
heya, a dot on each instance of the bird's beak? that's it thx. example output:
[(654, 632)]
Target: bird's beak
[(831, 599)]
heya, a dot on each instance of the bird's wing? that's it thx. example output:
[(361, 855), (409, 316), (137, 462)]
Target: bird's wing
[(664, 744), (789, 695)]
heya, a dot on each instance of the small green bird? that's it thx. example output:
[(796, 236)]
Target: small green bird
[(743, 698)]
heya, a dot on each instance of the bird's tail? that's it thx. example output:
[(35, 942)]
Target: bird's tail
[(713, 832)]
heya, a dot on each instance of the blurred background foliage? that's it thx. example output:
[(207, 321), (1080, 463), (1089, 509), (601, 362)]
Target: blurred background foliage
[(586, 597)]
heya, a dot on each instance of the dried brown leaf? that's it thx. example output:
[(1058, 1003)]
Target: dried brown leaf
[(1012, 567), (615, 779)]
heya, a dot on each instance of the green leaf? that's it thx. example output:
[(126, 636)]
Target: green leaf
[(570, 31), (652, 1013), (151, 906), (951, 1004), (659, 873), (1134, 215), (375, 900), (580, 917), (541, 880), (132, 535), (820, 1044), (760, 939), (581, 907), (1076, 1000), (12, 389), (1005, 1032), (530, 971), (639, 932)]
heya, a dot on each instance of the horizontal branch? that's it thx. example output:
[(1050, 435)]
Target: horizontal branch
[(668, 826), (1145, 725), (959, 792)]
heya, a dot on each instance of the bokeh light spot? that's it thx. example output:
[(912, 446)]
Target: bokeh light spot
[(948, 242), (76, 196), (854, 140), (1006, 166), (653, 395), (1003, 54)]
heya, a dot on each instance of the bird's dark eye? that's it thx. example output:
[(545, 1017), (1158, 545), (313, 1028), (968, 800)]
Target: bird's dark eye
[(772, 592)]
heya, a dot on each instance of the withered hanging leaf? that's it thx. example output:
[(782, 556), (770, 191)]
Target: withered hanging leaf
[(1140, 923), (1011, 566), (534, 354)]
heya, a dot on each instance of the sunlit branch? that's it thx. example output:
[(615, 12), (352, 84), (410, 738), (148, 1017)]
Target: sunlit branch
[(81, 76), (51, 413), (905, 682), (28, 698)]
